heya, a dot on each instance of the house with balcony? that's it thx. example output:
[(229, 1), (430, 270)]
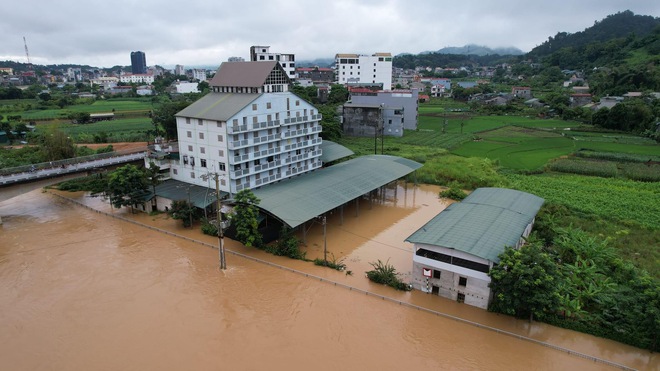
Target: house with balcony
[(249, 130)]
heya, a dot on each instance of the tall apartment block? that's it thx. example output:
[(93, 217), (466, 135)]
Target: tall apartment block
[(250, 130), (359, 69), (287, 61), (138, 63)]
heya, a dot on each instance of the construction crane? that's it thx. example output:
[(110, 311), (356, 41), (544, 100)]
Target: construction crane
[(27, 54)]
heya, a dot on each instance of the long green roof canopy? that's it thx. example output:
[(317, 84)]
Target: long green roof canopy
[(180, 191), (297, 200), (331, 151), (483, 224)]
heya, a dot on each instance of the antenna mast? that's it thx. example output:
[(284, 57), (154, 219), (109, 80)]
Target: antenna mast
[(27, 54)]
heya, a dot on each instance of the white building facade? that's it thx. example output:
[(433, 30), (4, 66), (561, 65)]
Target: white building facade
[(137, 78), (364, 69), (287, 61), (250, 131)]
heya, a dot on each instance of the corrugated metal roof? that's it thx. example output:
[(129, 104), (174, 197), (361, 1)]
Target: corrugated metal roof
[(218, 106), (331, 151), (296, 200), (176, 190), (243, 74), (483, 224)]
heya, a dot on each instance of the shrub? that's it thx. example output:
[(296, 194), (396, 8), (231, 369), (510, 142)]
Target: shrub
[(453, 193), (385, 274), (332, 263)]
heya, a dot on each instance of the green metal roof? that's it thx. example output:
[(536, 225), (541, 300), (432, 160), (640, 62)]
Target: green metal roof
[(218, 106), (176, 190), (483, 224), (296, 200), (331, 151)]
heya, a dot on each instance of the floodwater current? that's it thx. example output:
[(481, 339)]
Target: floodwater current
[(81, 290)]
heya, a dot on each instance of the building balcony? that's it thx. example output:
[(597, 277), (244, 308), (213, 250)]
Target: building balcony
[(266, 125), (235, 129)]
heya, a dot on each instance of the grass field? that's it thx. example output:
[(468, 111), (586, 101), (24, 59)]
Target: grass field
[(127, 106)]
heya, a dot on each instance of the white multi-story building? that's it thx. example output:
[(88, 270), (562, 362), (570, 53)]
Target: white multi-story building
[(183, 87), (364, 69), (199, 75), (287, 61), (137, 78), (250, 130)]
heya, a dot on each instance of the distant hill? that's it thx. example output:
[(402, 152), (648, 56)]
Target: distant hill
[(619, 25), (473, 49), (319, 62)]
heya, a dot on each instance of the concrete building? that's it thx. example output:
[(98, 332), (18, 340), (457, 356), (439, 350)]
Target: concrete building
[(179, 70), (287, 61), (137, 78), (524, 92), (316, 74), (372, 113), (138, 63), (455, 250), (199, 75), (358, 68), (183, 87), (250, 130)]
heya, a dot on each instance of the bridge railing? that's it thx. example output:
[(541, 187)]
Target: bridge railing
[(65, 163)]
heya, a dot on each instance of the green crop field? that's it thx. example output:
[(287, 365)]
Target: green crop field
[(119, 125)]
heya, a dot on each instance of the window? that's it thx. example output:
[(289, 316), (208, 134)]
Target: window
[(235, 122), (199, 122), (221, 165), (219, 137), (189, 134), (436, 273), (462, 281), (202, 162), (268, 105), (460, 298), (190, 148), (192, 174), (254, 106), (255, 120), (297, 103), (175, 171), (221, 152), (219, 124), (261, 58), (192, 161), (187, 120), (202, 150), (185, 160), (201, 135)]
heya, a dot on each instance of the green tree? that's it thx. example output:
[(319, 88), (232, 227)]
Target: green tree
[(183, 210), (164, 116), (246, 218), (338, 94), (524, 282), (127, 186), (56, 145)]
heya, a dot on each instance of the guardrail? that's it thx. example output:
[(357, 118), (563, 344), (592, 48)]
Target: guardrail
[(57, 168)]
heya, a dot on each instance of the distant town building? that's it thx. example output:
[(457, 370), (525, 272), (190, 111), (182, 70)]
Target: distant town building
[(183, 87), (236, 59), (524, 92), (179, 70), (136, 78), (357, 68), (7, 70), (287, 61), (199, 75), (316, 74), (138, 63)]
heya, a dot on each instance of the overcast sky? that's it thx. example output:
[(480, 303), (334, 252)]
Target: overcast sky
[(102, 33)]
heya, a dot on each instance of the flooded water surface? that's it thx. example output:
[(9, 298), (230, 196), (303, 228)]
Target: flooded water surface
[(80, 290)]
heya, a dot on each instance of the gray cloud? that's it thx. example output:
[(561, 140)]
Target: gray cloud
[(198, 32)]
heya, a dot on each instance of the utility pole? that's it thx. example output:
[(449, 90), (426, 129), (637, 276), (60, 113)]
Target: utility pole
[(325, 241), (221, 234)]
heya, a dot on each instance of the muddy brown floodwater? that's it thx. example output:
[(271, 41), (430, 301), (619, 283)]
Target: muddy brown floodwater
[(81, 290)]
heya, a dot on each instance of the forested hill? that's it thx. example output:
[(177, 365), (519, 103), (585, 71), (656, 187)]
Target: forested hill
[(619, 25)]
